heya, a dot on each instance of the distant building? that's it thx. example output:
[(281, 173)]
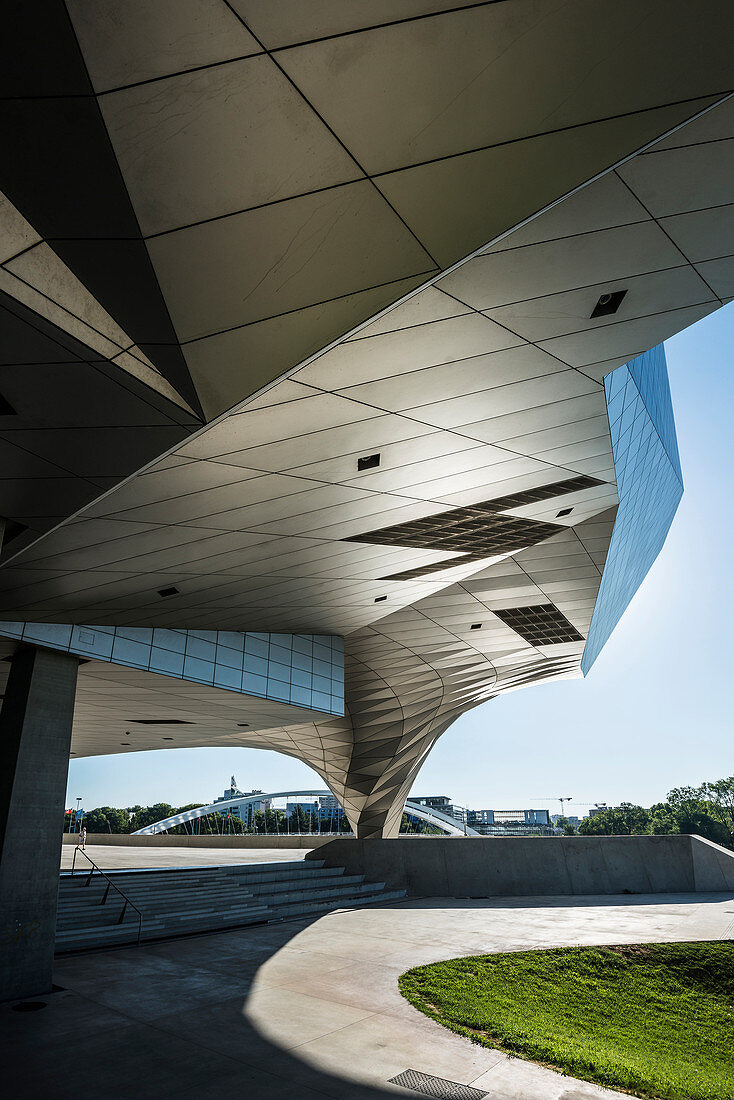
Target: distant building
[(508, 818), (575, 821), (245, 812), (510, 822), (439, 802), (325, 809)]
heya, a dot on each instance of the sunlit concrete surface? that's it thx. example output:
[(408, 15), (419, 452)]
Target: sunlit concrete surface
[(113, 858), (311, 1008)]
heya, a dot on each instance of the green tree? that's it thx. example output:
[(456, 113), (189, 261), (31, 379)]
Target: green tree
[(96, 821), (270, 822), (663, 819), (720, 796), (107, 819), (148, 815), (622, 820), (695, 814)]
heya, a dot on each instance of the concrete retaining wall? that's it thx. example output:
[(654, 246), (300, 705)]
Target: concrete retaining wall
[(479, 867), (162, 840)]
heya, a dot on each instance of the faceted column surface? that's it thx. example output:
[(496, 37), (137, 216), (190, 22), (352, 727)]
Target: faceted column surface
[(35, 734)]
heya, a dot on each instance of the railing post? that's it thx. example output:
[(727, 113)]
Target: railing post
[(109, 881)]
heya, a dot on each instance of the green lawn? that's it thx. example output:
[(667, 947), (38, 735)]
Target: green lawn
[(656, 1020)]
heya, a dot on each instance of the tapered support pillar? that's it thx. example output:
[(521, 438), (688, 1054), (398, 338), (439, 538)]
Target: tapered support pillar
[(35, 734)]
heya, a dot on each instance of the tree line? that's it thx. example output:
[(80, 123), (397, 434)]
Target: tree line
[(110, 819), (707, 811)]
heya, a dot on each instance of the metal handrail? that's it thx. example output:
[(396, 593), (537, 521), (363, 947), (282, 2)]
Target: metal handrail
[(109, 881)]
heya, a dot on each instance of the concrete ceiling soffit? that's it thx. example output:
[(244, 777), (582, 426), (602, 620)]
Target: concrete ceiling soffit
[(283, 200), (60, 172), (32, 273), (260, 501)]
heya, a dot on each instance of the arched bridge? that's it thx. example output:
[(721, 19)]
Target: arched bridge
[(449, 825)]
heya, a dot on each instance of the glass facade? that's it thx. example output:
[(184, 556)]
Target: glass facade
[(649, 483), (306, 670)]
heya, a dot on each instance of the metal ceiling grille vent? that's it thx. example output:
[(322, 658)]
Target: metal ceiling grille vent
[(478, 532), (545, 492), (436, 1086), (473, 532), (542, 624)]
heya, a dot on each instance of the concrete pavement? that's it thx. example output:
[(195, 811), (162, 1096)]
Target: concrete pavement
[(118, 858), (311, 1008)]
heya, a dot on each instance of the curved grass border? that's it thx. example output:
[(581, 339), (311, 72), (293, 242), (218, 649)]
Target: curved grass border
[(713, 1009)]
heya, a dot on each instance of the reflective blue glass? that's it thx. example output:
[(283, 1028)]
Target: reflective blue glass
[(649, 483), (306, 670)]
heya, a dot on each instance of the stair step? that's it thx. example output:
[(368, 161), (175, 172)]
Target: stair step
[(222, 895), (213, 869), (182, 901), (289, 911)]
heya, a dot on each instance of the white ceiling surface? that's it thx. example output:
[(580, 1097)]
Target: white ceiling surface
[(439, 658), (351, 170), (485, 383), (111, 698), (351, 151)]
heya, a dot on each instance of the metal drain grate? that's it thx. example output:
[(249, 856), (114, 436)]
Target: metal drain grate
[(436, 1086)]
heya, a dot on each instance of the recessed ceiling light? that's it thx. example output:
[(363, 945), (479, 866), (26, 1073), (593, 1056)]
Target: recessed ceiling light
[(368, 462), (564, 512), (243, 725), (166, 739), (476, 626), (608, 303), (379, 599), (168, 592)]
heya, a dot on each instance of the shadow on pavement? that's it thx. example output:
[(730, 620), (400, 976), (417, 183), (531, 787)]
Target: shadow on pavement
[(163, 1020)]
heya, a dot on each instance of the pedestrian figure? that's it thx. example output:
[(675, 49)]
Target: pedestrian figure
[(82, 837)]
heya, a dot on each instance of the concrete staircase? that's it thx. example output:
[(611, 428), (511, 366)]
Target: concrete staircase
[(180, 901)]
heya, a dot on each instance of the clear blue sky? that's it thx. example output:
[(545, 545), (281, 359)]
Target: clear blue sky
[(655, 711)]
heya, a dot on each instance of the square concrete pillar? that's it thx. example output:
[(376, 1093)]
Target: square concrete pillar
[(35, 735)]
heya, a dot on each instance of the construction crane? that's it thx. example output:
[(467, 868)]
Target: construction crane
[(568, 798)]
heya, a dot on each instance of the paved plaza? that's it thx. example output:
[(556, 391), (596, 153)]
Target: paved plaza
[(113, 857), (311, 1008)]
